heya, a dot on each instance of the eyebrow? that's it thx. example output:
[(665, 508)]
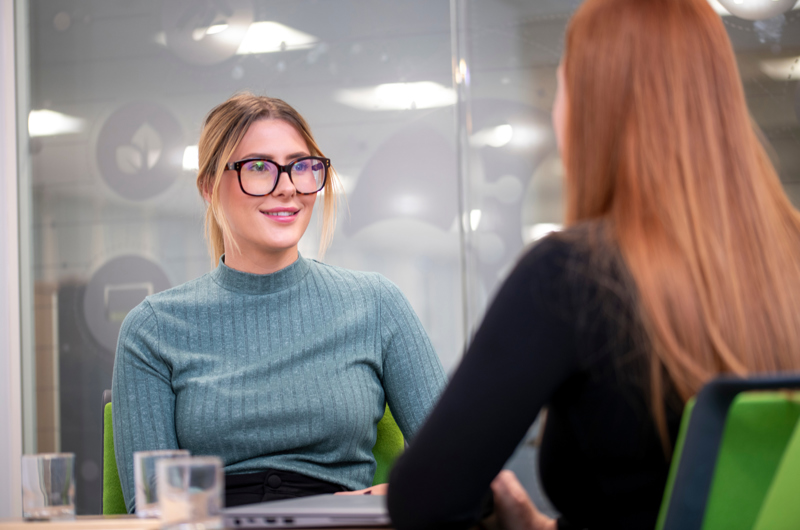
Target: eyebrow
[(293, 156)]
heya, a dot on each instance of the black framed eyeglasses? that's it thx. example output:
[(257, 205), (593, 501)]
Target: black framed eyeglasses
[(259, 176)]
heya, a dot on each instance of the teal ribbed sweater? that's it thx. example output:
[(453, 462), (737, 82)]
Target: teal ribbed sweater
[(288, 371)]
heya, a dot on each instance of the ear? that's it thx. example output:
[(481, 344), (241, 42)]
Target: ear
[(207, 189)]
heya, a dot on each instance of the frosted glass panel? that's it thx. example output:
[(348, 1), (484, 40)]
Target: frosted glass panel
[(118, 94), (437, 121), (513, 178)]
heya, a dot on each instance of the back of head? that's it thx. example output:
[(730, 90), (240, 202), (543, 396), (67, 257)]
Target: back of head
[(660, 144)]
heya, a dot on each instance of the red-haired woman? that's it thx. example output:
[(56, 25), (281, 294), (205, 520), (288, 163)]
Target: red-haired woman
[(681, 262)]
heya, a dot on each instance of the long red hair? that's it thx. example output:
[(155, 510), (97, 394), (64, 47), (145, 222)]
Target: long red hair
[(660, 145)]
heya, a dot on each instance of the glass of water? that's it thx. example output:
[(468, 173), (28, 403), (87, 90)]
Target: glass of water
[(190, 492), (48, 486), (144, 478)]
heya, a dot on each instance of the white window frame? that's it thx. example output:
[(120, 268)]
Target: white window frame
[(10, 330)]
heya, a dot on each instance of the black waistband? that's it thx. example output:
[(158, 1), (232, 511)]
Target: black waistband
[(273, 485)]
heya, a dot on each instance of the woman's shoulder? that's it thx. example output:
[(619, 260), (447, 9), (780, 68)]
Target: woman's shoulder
[(340, 275), (583, 243), (368, 285), (579, 264), (162, 306), (184, 293)]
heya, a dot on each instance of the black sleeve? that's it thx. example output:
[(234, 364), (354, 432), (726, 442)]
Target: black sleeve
[(523, 351)]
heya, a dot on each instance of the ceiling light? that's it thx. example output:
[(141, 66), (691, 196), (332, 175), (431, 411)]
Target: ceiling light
[(530, 135), (398, 96), (719, 9), (493, 136), (216, 28), (784, 69), (722, 11), (191, 158), (52, 123), (270, 37), (474, 219)]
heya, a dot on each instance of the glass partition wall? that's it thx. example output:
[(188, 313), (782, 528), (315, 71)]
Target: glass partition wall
[(435, 113), (118, 94)]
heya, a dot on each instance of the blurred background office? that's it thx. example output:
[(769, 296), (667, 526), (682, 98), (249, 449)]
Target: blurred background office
[(436, 114)]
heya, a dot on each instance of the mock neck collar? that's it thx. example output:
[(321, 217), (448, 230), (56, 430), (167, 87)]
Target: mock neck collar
[(249, 283)]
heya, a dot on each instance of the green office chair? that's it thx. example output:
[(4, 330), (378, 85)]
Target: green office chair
[(388, 446), (732, 447), (113, 501), (780, 510)]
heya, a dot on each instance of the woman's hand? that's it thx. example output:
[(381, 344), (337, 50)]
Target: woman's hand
[(513, 508), (379, 489)]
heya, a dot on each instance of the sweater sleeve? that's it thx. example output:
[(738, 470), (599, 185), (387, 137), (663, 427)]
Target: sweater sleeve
[(523, 351), (413, 376), (143, 400)]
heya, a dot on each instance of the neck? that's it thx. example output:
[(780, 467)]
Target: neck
[(265, 263)]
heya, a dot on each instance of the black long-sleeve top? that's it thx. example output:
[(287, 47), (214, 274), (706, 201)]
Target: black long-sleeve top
[(562, 332)]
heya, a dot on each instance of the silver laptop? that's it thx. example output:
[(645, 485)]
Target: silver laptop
[(316, 511)]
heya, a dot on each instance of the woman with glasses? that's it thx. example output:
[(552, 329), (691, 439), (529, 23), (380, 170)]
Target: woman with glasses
[(279, 364), (681, 261)]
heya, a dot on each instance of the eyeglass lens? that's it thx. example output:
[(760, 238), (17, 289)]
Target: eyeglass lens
[(259, 177)]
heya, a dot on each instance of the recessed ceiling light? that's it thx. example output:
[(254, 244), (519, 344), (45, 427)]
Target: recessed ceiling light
[(398, 96), (271, 37), (52, 123)]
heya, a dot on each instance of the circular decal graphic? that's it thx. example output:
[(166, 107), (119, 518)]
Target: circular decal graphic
[(140, 150), (387, 190), (115, 288), (205, 31)]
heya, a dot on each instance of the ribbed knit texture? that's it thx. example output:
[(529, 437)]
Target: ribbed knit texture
[(288, 371)]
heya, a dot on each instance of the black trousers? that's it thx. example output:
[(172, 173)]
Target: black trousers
[(273, 485)]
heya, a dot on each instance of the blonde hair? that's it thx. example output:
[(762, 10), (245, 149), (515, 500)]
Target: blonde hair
[(660, 145), (223, 129)]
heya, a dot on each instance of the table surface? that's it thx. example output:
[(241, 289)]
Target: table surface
[(94, 522), (89, 522)]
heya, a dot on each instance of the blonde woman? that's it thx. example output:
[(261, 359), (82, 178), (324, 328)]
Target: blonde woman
[(681, 262), (278, 364)]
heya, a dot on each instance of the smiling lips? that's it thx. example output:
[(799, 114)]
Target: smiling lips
[(281, 215)]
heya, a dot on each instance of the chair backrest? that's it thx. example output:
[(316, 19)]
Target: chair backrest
[(757, 432), (113, 500), (724, 462), (388, 446), (781, 509)]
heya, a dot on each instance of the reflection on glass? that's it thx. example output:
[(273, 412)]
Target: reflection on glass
[(781, 69), (51, 123), (270, 37), (191, 158), (753, 9), (398, 96)]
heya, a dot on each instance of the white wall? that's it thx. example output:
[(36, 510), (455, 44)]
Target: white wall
[(10, 391)]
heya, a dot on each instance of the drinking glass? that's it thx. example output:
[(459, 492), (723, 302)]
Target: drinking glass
[(190, 492), (144, 478), (48, 486)]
